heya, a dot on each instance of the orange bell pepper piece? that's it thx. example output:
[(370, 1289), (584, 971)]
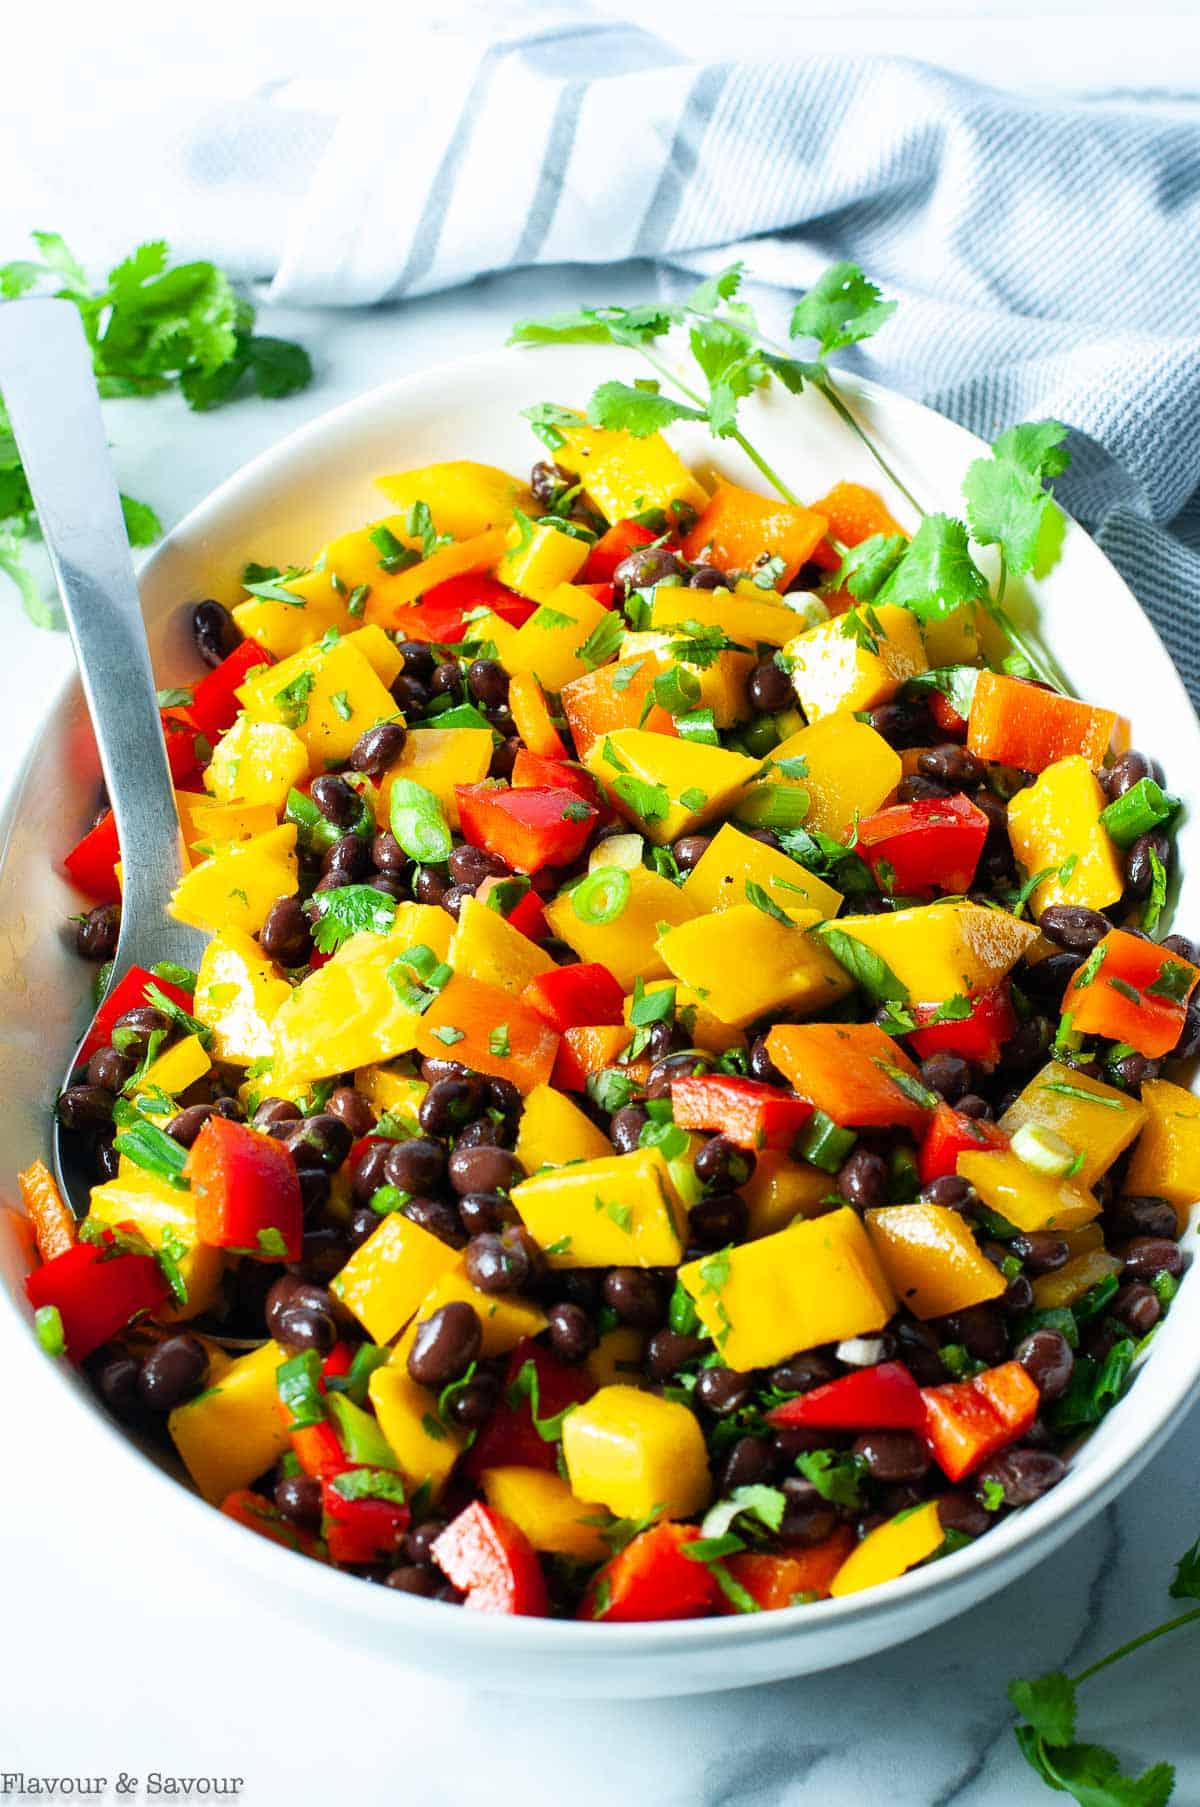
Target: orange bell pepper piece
[(591, 1048), (739, 530), (53, 1221), (854, 513), (1015, 723), (852, 1071), (490, 1031), (612, 696), (531, 717), (969, 1420), (774, 1581), (1132, 991)]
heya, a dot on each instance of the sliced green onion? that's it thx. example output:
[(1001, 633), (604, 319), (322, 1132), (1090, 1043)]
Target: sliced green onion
[(602, 896), (315, 833), (699, 727), (48, 1327), (418, 823), (624, 850), (826, 1144), (774, 806), (1143, 807), (1043, 1150)]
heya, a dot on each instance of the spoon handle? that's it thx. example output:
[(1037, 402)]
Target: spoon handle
[(50, 394)]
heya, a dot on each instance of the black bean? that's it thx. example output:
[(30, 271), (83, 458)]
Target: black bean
[(439, 1218), (298, 1497), (469, 866), (484, 1170), (960, 1511), (903, 724), (304, 1327), (980, 1330), (337, 802), (548, 482), (109, 1070), (378, 748), (801, 1373), (1126, 771), (951, 765), (363, 1222), (659, 1039), (172, 1372), (1040, 1250), (1189, 1036), (950, 1190), (488, 683), (948, 1074), (626, 1127), (448, 1104), (750, 1460), (276, 1110), (770, 688), (762, 1067), (320, 1141), (285, 936), (418, 1165), (1137, 1306), (453, 898), (389, 857), (1047, 980), (445, 1345), (215, 631), (1132, 1071), (481, 1212), (893, 1455), (717, 1220), (96, 933), (1152, 1217), (504, 758), (85, 1108), (507, 1261), (690, 849), (647, 565), (1049, 1361), (503, 1096), (1073, 926), (668, 1350), (917, 789), (723, 1390), (1147, 1256), (131, 1032), (483, 1132), (447, 679), (723, 1164), (186, 1125), (471, 1405), (407, 1579), (418, 1545), (353, 1110), (117, 1384), (807, 1518), (862, 1179), (571, 1331), (1181, 945), (1139, 867), (409, 693), (1027, 1048), (707, 577), (636, 1296), (346, 862), (1022, 1475)]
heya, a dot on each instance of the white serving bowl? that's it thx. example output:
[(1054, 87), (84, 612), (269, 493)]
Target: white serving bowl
[(280, 509)]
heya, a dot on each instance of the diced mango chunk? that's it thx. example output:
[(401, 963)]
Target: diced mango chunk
[(1095, 1119), (157, 1209), (543, 1506), (327, 696), (626, 945), (425, 1446), (463, 498), (238, 993), (390, 1273), (625, 476), (781, 1189), (505, 1319), (236, 888), (943, 950), (1166, 1161), (1028, 1199), (832, 671), (1055, 824), (539, 557), (719, 877), (890, 1550), (637, 1454), (554, 1132), (229, 1434), (256, 762), (747, 620), (485, 946), (743, 963), (615, 1211), (439, 759), (665, 786), (848, 771), (931, 1259)]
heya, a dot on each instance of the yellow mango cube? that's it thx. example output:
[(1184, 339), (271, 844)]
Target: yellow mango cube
[(831, 671), (617, 1211), (943, 950), (743, 963), (209, 826), (399, 1094), (463, 498), (256, 762), (1074, 1278), (849, 771), (890, 1550), (1166, 1161), (390, 1273), (485, 946), (780, 1190), (283, 628), (160, 1210), (424, 1445), (235, 889), (1097, 1120), (721, 684), (1055, 823), (542, 1506), (701, 1026), (538, 558), (176, 1069), (505, 1319), (932, 1261), (617, 1357), (238, 993), (637, 1454), (665, 786), (382, 655), (553, 1132), (438, 759), (719, 877), (228, 1435), (819, 1281), (1030, 1200), (742, 619), (347, 1014), (625, 476), (326, 696), (628, 944), (548, 643)]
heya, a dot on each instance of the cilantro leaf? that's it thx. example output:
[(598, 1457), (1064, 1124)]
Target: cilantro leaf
[(867, 567), (637, 409), (1048, 1703), (1186, 1585), (349, 910), (937, 572), (841, 308), (868, 969)]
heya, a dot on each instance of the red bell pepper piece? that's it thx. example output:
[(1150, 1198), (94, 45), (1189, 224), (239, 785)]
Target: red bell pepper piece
[(184, 756), (570, 997), (246, 1191), (951, 1134), (530, 772), (317, 1449), (494, 1563), (979, 1037), (931, 845), (952, 724), (441, 613), (125, 995), (622, 538), (510, 1436), (775, 1581), (254, 1513), (361, 1530), (89, 865), (529, 915), (651, 1578), (528, 828), (338, 1362), (605, 594), (96, 1288), (885, 1397), (214, 705), (1134, 991), (969, 1420), (743, 1110)]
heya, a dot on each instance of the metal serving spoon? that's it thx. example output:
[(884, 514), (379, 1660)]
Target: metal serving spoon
[(50, 394)]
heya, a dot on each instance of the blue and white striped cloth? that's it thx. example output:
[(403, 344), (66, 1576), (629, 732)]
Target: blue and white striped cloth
[(1046, 251)]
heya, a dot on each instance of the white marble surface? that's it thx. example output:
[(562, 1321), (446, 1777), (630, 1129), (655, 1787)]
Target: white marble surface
[(121, 1656)]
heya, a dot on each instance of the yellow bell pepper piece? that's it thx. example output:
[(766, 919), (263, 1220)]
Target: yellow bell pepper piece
[(156, 1208), (176, 1069), (702, 1028), (236, 889), (617, 1357), (256, 762), (719, 876), (665, 786), (390, 1273), (1055, 822), (326, 696), (744, 963), (831, 671), (1097, 1120), (542, 1506), (553, 1132), (618, 1211), (636, 1454), (780, 1190), (424, 1445), (346, 1014), (931, 1259), (463, 498), (1030, 1200), (548, 643), (504, 1319), (745, 620), (818, 1281), (624, 476), (942, 950), (484, 946), (438, 758), (850, 770), (955, 639), (627, 945), (228, 1435), (399, 1094), (381, 654), (1074, 1278), (721, 684), (238, 992), (538, 558), (284, 628), (208, 826), (1166, 1161), (890, 1550)]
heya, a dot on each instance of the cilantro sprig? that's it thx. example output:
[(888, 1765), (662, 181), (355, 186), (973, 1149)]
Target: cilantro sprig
[(153, 325)]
